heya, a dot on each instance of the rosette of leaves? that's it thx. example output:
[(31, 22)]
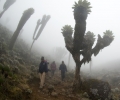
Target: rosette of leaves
[(67, 31), (87, 44), (81, 9), (26, 15), (108, 37), (43, 23), (103, 42), (38, 23), (90, 38), (7, 4)]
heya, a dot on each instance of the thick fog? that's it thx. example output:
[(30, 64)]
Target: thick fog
[(105, 15)]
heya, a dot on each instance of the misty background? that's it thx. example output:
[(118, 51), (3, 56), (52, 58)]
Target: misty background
[(105, 15)]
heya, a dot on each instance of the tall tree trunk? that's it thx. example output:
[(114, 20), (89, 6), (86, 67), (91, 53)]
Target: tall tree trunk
[(22, 21), (77, 80), (13, 39), (32, 45), (69, 59)]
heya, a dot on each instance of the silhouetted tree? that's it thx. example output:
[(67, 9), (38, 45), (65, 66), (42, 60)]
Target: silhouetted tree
[(44, 21), (21, 31), (26, 15), (7, 4), (80, 44)]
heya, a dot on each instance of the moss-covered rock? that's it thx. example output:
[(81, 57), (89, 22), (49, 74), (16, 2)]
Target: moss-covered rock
[(97, 89)]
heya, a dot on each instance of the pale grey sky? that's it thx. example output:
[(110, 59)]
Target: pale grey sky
[(105, 15)]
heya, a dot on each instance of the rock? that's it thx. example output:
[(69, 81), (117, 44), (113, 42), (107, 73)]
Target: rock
[(28, 91), (115, 90), (94, 91), (38, 90), (50, 88), (54, 94), (45, 91), (63, 90), (97, 89), (84, 99), (85, 94), (56, 83)]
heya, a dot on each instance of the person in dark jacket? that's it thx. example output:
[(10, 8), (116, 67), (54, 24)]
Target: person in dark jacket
[(63, 69), (42, 71)]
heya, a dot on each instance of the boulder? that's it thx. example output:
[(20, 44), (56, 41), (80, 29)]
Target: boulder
[(28, 91), (50, 88), (85, 94), (97, 89)]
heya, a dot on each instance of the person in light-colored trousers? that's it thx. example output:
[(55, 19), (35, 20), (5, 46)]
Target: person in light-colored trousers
[(42, 71)]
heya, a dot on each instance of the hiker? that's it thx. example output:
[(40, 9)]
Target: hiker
[(63, 69), (42, 71), (53, 68)]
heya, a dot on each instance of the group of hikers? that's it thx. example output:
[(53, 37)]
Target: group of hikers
[(43, 69)]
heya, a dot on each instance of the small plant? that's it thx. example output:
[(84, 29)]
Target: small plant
[(10, 74), (6, 68), (1, 66), (1, 80)]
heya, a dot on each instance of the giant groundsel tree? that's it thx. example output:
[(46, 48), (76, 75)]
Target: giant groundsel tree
[(42, 22), (81, 43), (26, 15), (7, 4)]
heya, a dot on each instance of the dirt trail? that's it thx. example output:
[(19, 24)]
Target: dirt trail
[(59, 87)]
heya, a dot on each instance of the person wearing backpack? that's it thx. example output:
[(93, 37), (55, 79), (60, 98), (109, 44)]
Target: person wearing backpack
[(42, 71), (53, 68), (63, 69)]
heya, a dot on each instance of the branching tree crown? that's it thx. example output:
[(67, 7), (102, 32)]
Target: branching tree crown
[(7, 4)]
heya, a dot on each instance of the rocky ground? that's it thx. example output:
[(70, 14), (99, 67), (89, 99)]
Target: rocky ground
[(19, 79)]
